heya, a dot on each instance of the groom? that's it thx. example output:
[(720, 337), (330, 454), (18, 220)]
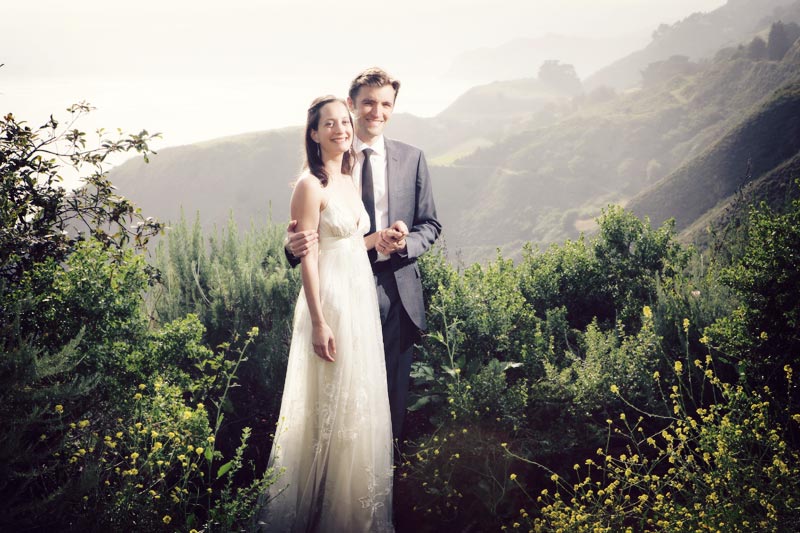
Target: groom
[(396, 191)]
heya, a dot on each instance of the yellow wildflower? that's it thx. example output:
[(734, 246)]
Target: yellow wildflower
[(167, 519), (512, 477), (59, 408)]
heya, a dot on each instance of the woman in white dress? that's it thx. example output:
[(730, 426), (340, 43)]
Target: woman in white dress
[(333, 444)]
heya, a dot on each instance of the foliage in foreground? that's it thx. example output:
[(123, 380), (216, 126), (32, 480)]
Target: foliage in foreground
[(691, 432), (105, 425), (614, 382)]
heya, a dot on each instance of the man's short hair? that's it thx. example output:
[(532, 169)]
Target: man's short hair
[(372, 77)]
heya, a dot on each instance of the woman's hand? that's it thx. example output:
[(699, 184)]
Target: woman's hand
[(323, 341)]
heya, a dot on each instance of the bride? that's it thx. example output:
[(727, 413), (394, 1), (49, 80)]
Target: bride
[(333, 444)]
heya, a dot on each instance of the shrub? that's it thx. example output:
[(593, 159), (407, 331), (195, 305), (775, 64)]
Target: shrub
[(725, 466)]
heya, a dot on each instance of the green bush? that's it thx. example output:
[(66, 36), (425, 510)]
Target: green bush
[(722, 467), (233, 282), (761, 335)]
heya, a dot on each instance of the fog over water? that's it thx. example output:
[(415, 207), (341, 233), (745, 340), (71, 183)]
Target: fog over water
[(197, 70)]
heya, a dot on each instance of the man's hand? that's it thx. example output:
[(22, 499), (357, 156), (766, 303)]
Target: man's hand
[(393, 238), (298, 243)]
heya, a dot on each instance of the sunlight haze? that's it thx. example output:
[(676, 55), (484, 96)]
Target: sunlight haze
[(201, 70)]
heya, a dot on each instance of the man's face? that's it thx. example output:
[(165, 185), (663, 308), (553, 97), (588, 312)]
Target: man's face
[(372, 110)]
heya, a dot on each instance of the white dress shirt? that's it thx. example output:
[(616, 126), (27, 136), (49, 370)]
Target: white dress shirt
[(380, 184)]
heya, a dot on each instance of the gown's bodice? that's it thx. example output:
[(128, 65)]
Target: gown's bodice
[(340, 226)]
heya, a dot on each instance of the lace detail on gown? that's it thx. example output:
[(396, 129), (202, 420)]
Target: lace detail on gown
[(333, 442)]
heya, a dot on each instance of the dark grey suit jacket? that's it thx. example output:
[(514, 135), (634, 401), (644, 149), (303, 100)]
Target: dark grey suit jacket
[(411, 200)]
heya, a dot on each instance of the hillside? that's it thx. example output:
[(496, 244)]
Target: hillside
[(777, 188), (698, 36), (504, 175), (247, 176), (766, 139), (545, 184)]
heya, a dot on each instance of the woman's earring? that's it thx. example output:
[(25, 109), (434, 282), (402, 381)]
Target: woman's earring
[(319, 154)]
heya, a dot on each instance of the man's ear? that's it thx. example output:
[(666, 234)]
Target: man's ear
[(351, 105)]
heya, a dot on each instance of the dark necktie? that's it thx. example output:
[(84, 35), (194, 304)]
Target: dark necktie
[(368, 196)]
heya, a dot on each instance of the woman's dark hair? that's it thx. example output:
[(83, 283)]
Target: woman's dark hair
[(314, 162)]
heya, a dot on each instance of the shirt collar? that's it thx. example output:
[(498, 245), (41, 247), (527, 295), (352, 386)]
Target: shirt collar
[(379, 146)]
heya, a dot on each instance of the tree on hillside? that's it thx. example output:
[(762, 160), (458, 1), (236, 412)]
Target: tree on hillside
[(560, 77), (661, 31), (778, 42)]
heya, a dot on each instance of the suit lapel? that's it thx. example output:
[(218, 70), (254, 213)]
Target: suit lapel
[(393, 177)]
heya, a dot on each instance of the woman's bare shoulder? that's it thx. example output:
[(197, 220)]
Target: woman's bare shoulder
[(307, 183), (308, 189), (307, 179)]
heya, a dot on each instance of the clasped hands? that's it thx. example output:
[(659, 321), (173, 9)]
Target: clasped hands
[(390, 240)]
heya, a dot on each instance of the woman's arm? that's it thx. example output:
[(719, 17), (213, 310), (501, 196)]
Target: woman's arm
[(306, 205)]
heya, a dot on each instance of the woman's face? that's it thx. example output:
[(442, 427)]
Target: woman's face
[(335, 131)]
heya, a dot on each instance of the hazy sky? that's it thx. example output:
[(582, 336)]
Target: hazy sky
[(196, 69)]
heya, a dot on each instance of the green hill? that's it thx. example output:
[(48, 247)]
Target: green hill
[(766, 139), (545, 184), (698, 36), (248, 176), (538, 171), (777, 188)]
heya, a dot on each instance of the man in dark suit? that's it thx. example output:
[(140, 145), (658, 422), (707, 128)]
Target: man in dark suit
[(396, 191)]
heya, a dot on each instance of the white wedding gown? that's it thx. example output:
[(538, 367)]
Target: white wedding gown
[(333, 444)]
